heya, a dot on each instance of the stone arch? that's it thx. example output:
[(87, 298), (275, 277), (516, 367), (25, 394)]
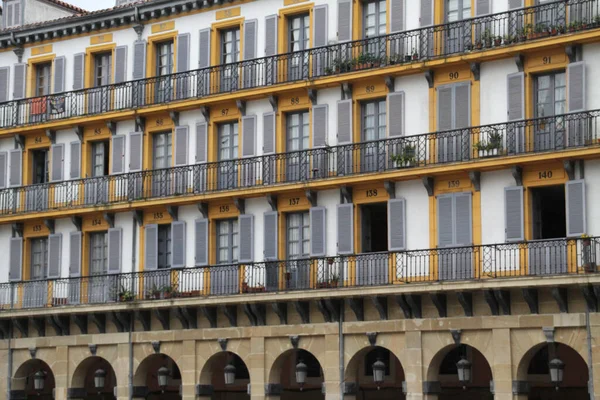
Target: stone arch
[(314, 346), (23, 377), (278, 365), (145, 373), (87, 367), (353, 362), (562, 349), (206, 373)]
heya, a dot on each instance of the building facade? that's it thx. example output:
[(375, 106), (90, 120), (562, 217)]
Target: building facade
[(351, 199)]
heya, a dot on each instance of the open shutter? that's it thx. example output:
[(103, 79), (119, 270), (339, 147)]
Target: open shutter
[(183, 52), (269, 132), (75, 254), (118, 154), (120, 64), (445, 220), (19, 81), (178, 244), (181, 145), (250, 27), (139, 59), (246, 224), (576, 86), (54, 255), (345, 228), (78, 71), (344, 20), (320, 123), (201, 242), (512, 4), (204, 56), (249, 136), (426, 13), (16, 162), (75, 170), (271, 235), (482, 7), (271, 35), (397, 224), (444, 95), (396, 16), (462, 105), (516, 96), (576, 210), (57, 152), (395, 104), (4, 77), (462, 226), (16, 259), (115, 252), (135, 151), (513, 213), (59, 74), (318, 233), (344, 119), (3, 156), (201, 140), (151, 247), (320, 26)]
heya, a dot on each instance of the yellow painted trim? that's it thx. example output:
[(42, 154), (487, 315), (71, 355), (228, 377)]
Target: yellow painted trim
[(162, 27), (90, 53), (215, 37), (158, 123), (284, 14), (228, 13), (32, 63), (151, 52), (438, 12), (99, 39), (45, 49)]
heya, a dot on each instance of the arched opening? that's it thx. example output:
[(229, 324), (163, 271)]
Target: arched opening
[(34, 380), (300, 375), (227, 375), (376, 373), (97, 379), (159, 377)]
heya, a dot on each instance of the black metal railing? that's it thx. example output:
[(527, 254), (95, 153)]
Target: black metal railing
[(548, 134), (523, 259), (438, 41)]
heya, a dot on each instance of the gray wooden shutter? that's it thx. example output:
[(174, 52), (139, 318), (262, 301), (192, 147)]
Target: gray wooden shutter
[(204, 56), (344, 119), (397, 224), (178, 244), (139, 59), (115, 252), (3, 157), (57, 152), (462, 225), (78, 71), (183, 52), (250, 27), (482, 7), (344, 20), (135, 151), (249, 136), (445, 220), (271, 35), (59, 74), (345, 228), (118, 154), (462, 105), (395, 104), (576, 86), (318, 233), (512, 4), (16, 259), (150, 248), (4, 78), (120, 64), (19, 81), (513, 213), (181, 145), (516, 96), (54, 255), (271, 238), (426, 13), (576, 209), (320, 26), (201, 141), (444, 103), (75, 170), (75, 239), (269, 132), (9, 15), (201, 241), (246, 225), (396, 16), (320, 123), (18, 15), (16, 162)]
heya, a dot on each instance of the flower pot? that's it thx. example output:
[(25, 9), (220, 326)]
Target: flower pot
[(407, 58), (497, 42), (415, 57), (488, 153)]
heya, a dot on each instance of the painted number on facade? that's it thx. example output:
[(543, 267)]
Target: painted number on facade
[(454, 183), (453, 75), (98, 131), (158, 215), (38, 139), (294, 101), (371, 192), (225, 111), (294, 201), (223, 209), (227, 13), (547, 60), (160, 122), (96, 222), (37, 228), (370, 88), (545, 175)]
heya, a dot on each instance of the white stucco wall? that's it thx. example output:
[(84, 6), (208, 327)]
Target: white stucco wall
[(40, 11), (492, 205), (493, 90)]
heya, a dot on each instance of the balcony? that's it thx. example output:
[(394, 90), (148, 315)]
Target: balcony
[(495, 31)]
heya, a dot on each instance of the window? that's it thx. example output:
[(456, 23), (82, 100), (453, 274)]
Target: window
[(373, 127), (374, 18), (458, 34), (98, 253), (454, 108), (40, 166), (298, 235), (43, 79), (100, 158), (102, 69), (297, 132), (457, 10), (550, 100), (227, 150), (164, 246), (162, 150), (39, 259), (164, 58), (227, 241), (230, 54), (12, 13), (298, 40)]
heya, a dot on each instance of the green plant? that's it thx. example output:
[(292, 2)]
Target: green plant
[(125, 294), (406, 157), (495, 140), (540, 28), (597, 19)]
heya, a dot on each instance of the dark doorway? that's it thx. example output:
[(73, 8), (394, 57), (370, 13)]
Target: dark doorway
[(374, 228), (548, 211)]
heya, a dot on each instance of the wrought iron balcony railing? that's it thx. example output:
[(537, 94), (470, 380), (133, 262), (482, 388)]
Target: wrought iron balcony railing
[(438, 41), (523, 259), (548, 134)]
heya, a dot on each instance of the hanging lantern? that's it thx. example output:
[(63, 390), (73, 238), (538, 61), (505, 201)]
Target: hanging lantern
[(39, 380), (378, 372), (557, 368), (464, 371), (163, 375), (301, 372), (99, 379), (229, 373)]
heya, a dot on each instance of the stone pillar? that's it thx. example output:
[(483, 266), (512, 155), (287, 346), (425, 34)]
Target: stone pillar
[(61, 372), (414, 370), (121, 368), (257, 368), (331, 368), (187, 366), (3, 371), (595, 331), (502, 365)]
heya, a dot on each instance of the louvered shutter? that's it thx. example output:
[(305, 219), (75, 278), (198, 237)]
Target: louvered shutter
[(16, 259), (271, 35), (516, 96), (3, 156), (75, 254), (396, 16), (462, 225), (17, 14), (345, 228), (9, 13), (4, 78), (151, 247), (445, 114), (269, 132), (59, 74), (204, 56), (320, 26), (250, 27), (344, 20), (246, 226), (201, 141), (78, 71), (115, 252), (16, 161), (75, 170), (318, 233), (120, 64), (178, 244), (118, 154), (576, 208), (462, 105), (426, 13), (139, 59), (57, 152), (181, 145), (135, 151), (320, 123), (395, 105), (445, 221), (183, 52), (482, 7), (344, 119), (397, 224), (576, 86), (512, 4), (513, 213), (54, 255), (19, 81), (249, 136), (201, 242), (271, 235)]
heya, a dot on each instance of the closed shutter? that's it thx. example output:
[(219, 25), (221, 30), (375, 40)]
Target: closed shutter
[(118, 154), (576, 86), (151, 247), (345, 228), (3, 157), (201, 140), (513, 213), (57, 152), (9, 14), (201, 242), (395, 113), (462, 106), (19, 81), (246, 224), (139, 59), (482, 7), (250, 28), (78, 71), (121, 64), (75, 170), (271, 35), (17, 14), (178, 244), (16, 259), (181, 145), (444, 94), (135, 151), (576, 209), (320, 26), (249, 136), (397, 224), (4, 78), (183, 52), (115, 252), (75, 254), (320, 123), (512, 4), (269, 132), (59, 74), (344, 20), (426, 13), (16, 161), (516, 96), (344, 119), (54, 255), (445, 221), (396, 16), (318, 233), (271, 235), (462, 225), (204, 56)]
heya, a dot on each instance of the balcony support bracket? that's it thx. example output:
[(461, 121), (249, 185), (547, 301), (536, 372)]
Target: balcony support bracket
[(517, 173), (144, 318), (346, 91), (205, 111), (466, 301), (174, 115), (173, 212), (439, 301), (428, 183), (60, 324), (51, 135), (272, 200), (50, 225), (79, 132), (39, 324), (110, 219), (120, 320), (18, 50), (357, 306), (260, 313), (346, 194), (323, 309), (302, 308), (429, 77), (240, 204), (520, 61), (21, 325), (475, 177), (280, 309), (81, 321), (390, 188), (4, 329), (591, 300), (562, 300), (334, 309), (403, 304), (231, 314), (475, 69), (99, 320), (20, 141), (163, 316), (503, 300), (569, 166), (390, 82), (210, 313), (311, 195), (241, 106), (203, 208), (140, 124), (312, 96), (138, 215), (112, 127), (381, 305), (492, 302), (186, 316), (76, 222), (531, 298), (139, 29), (274, 101)]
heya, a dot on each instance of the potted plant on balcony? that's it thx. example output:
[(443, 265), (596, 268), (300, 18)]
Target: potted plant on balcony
[(597, 20), (553, 30), (125, 295), (587, 257), (498, 41), (406, 158), (491, 147), (331, 283), (154, 293), (487, 38), (415, 55)]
